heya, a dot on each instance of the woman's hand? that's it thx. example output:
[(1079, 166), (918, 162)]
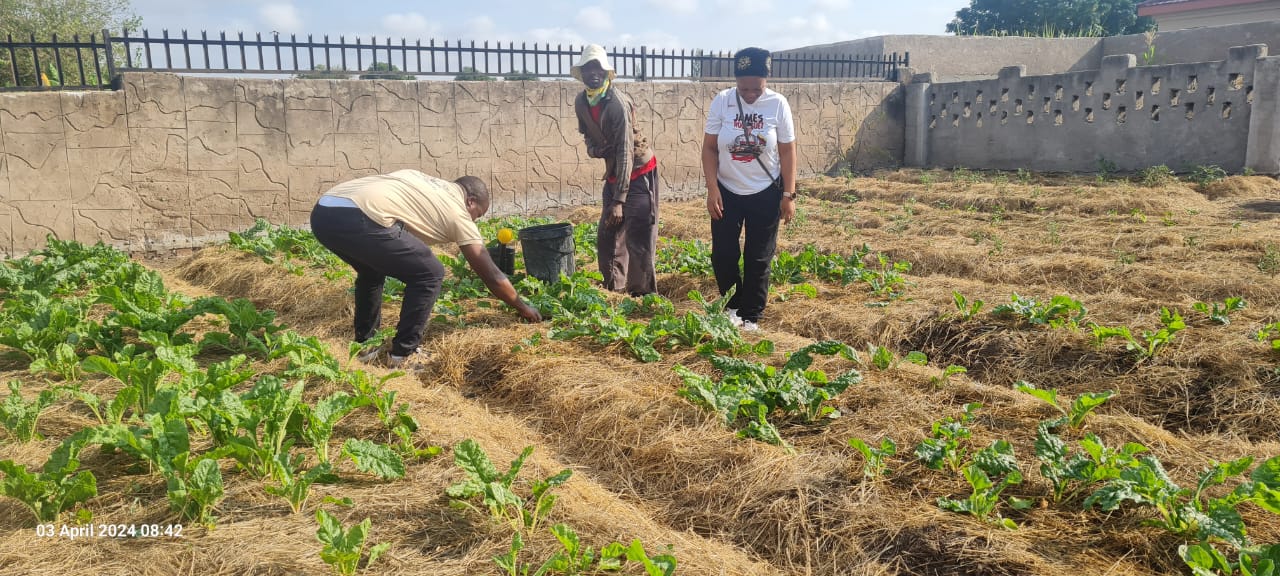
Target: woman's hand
[(715, 204), (787, 210)]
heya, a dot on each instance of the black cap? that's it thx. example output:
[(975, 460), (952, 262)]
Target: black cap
[(752, 62)]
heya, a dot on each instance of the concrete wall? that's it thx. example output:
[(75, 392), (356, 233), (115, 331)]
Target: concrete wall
[(1180, 115), (1196, 44), (171, 161), (953, 58), (959, 58), (1220, 16)]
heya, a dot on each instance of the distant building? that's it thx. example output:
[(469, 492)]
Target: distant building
[(1181, 14)]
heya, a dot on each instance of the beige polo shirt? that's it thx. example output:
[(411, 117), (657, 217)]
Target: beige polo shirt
[(433, 209)]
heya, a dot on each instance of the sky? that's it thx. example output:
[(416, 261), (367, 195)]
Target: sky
[(680, 24)]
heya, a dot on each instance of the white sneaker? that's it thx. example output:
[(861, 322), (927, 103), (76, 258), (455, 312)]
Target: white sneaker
[(749, 326), (733, 316)]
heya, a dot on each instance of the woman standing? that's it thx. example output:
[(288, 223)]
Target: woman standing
[(749, 161)]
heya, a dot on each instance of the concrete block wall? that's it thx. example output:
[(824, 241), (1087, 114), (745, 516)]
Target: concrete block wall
[(1180, 115), (961, 58), (175, 161)]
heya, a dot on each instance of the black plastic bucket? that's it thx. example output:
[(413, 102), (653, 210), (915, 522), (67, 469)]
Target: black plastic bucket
[(504, 257), (548, 251)]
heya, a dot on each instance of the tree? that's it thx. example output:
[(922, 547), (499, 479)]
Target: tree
[(384, 71), (470, 74), (322, 72), (518, 76), (1050, 18), (66, 18)]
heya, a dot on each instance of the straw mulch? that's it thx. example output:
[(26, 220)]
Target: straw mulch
[(650, 465)]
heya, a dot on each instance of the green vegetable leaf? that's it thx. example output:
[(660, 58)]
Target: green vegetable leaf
[(374, 458)]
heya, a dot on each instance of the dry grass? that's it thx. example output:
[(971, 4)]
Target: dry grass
[(649, 465)]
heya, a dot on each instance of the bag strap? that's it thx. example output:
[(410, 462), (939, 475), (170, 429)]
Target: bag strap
[(746, 133)]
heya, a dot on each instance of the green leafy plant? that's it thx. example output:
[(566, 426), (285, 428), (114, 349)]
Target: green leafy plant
[(373, 458), (1080, 408), (1183, 511), (56, 488), (692, 257), (873, 458), (1269, 263), (965, 308), (379, 338), (1092, 464), (496, 489), (262, 433), (1155, 176), (1152, 342), (992, 471), (64, 362), (319, 420), (143, 373), (62, 267), (19, 416), (707, 331), (246, 325), (944, 447), (295, 249), (609, 326), (753, 392), (193, 490), (1204, 175), (1270, 332), (294, 484), (143, 304), (344, 547), (1059, 312), (39, 326), (194, 482), (307, 357), (1218, 313), (951, 370), (884, 359), (576, 558)]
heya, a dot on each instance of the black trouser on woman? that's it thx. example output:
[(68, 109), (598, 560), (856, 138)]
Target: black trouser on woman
[(376, 252), (759, 214)]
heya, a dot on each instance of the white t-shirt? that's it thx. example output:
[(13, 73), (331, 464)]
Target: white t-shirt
[(769, 124)]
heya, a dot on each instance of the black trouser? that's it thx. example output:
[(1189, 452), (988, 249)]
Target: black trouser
[(759, 214), (376, 252), (626, 253)]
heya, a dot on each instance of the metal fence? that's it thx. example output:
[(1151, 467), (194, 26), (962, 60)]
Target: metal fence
[(77, 64)]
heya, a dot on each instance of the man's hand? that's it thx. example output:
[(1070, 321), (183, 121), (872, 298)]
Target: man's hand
[(787, 210), (614, 218), (496, 281), (527, 312), (715, 204)]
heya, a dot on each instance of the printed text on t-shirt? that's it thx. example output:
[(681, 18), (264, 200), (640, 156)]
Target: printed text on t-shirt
[(756, 121)]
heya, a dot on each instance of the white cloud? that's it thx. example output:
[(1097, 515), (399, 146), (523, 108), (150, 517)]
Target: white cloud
[(677, 6), (480, 27), (594, 18), (651, 40), (281, 17), (801, 31), (412, 26), (238, 25), (830, 4), (738, 7), (556, 36)]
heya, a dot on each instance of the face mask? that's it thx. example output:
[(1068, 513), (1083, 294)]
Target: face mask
[(594, 96)]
